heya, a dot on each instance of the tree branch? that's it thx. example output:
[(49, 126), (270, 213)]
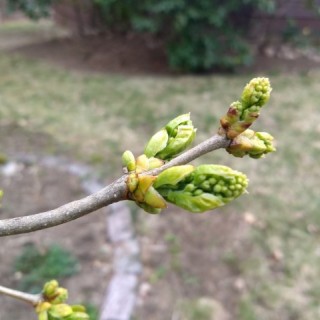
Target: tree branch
[(114, 192), (34, 299)]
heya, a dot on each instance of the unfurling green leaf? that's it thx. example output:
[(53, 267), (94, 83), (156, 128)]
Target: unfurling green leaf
[(173, 175), (204, 188), (157, 143), (254, 144), (175, 137)]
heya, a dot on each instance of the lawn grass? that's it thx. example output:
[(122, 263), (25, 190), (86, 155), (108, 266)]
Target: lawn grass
[(98, 117)]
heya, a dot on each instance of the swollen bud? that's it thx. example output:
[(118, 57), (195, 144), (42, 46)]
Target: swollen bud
[(254, 144), (204, 188), (61, 296), (157, 143), (174, 138), (142, 192), (59, 311), (242, 114), (128, 160), (53, 293), (78, 316), (43, 306), (173, 176), (49, 289), (43, 315), (142, 163), (256, 92)]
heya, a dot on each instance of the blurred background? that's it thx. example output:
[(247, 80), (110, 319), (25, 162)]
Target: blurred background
[(81, 81)]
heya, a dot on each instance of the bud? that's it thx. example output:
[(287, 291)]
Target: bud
[(154, 199), (176, 144), (43, 315), (43, 306), (61, 295), (59, 311), (78, 308), (144, 193), (256, 92), (171, 140), (128, 160), (254, 144), (157, 143), (205, 188), (78, 316), (148, 208), (132, 182), (155, 163), (242, 114), (142, 163), (173, 176), (49, 289)]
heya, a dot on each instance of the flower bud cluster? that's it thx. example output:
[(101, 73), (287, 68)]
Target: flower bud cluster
[(53, 306), (254, 144), (171, 140), (243, 113), (204, 188)]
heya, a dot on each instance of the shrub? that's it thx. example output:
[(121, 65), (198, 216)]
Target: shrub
[(34, 9), (38, 267), (199, 35)]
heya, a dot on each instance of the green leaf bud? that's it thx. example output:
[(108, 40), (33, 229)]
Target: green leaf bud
[(154, 199), (157, 143), (49, 288), (254, 144), (155, 163), (43, 306), (183, 119), (43, 315), (184, 137), (61, 295), (212, 186), (142, 163), (128, 160), (173, 175), (78, 308), (78, 316), (59, 311), (148, 208), (175, 137)]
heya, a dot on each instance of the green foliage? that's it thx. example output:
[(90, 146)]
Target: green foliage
[(35, 9), (199, 35), (92, 311), (38, 267), (195, 310)]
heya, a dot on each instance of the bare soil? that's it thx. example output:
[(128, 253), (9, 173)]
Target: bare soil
[(33, 189)]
